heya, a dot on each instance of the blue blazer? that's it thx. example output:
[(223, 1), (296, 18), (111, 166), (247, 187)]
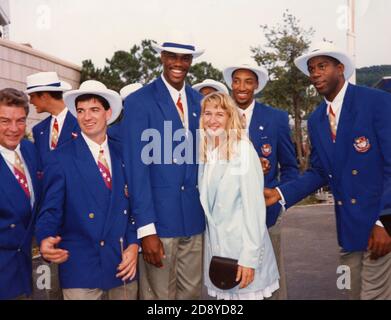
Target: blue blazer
[(41, 133), (164, 194), (16, 226), (90, 219), (357, 167), (270, 135)]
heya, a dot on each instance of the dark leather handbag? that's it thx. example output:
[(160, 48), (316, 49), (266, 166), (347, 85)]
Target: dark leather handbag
[(222, 273)]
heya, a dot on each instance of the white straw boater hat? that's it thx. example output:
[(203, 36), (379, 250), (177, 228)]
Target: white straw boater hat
[(97, 88), (220, 87), (178, 42), (326, 49), (261, 72), (129, 89), (46, 81)]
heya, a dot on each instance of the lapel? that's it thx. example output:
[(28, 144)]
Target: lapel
[(166, 105), (118, 185), (257, 121), (346, 121), (204, 193), (193, 110), (31, 164), (44, 135), (324, 134), (89, 173), (11, 188), (67, 129)]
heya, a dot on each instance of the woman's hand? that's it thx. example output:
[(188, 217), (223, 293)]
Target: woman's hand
[(245, 276)]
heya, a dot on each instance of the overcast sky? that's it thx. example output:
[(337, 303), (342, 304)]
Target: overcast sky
[(75, 30)]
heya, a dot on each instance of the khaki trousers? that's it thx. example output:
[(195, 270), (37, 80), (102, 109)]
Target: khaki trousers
[(275, 237), (128, 292), (370, 279), (181, 275)]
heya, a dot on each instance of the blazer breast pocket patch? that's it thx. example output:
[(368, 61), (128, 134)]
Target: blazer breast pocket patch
[(362, 144), (266, 150)]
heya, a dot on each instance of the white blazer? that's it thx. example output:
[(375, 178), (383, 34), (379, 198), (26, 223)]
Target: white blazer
[(232, 198)]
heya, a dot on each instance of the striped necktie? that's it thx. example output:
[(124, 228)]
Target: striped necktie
[(333, 123), (20, 175), (104, 169), (180, 109), (55, 133)]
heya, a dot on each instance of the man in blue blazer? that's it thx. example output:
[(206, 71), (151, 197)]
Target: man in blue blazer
[(159, 133), (46, 94), (19, 196), (350, 135), (84, 223), (268, 130)]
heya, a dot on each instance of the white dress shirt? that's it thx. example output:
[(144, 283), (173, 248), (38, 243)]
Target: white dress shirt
[(249, 115), (95, 148), (337, 103), (174, 93), (60, 120), (9, 157)]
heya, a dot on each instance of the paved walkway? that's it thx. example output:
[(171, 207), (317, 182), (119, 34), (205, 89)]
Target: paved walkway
[(311, 256)]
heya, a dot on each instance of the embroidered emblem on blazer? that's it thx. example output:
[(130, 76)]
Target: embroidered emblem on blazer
[(74, 135), (362, 144), (266, 150)]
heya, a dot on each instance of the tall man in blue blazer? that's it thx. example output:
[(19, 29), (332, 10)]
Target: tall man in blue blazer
[(84, 224), (165, 199), (268, 130), (350, 135), (19, 196), (46, 94)]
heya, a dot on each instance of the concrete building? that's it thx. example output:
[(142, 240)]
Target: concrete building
[(17, 61)]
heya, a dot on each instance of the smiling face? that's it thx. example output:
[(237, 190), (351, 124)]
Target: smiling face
[(12, 126), (327, 75), (244, 84), (92, 118), (214, 119), (176, 67)]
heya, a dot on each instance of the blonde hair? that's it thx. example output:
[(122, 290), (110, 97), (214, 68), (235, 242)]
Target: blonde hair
[(233, 131)]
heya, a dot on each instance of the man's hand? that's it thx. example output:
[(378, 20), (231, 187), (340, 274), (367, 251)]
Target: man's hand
[(153, 250), (266, 166), (245, 276), (379, 243), (272, 196), (51, 253), (128, 267)]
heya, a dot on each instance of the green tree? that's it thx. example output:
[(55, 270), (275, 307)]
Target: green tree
[(288, 88), (140, 64), (202, 71)]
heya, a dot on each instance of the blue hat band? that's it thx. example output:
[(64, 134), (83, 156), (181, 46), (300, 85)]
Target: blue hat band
[(57, 84), (177, 45)]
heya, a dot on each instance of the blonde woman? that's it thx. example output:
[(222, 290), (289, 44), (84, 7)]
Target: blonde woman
[(231, 190)]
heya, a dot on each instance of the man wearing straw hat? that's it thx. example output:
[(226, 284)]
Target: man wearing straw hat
[(19, 196), (350, 135), (208, 86), (46, 94), (165, 197), (84, 224), (268, 129)]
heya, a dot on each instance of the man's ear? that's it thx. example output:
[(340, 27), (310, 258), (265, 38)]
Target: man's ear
[(341, 69)]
